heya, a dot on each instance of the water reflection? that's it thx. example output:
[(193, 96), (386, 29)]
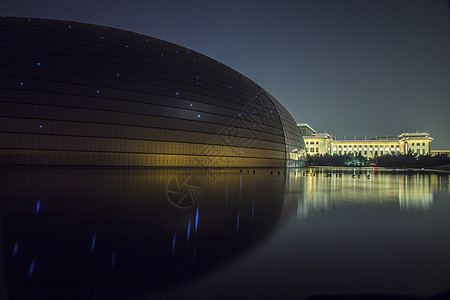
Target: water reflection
[(116, 233), (324, 188), (133, 234)]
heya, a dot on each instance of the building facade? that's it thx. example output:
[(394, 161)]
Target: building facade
[(323, 143), (81, 94)]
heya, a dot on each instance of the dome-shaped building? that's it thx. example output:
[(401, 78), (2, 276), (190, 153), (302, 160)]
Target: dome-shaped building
[(80, 94)]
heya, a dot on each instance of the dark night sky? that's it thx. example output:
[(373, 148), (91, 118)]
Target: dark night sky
[(346, 67)]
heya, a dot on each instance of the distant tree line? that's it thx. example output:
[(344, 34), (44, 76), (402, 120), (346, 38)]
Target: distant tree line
[(337, 160), (397, 161)]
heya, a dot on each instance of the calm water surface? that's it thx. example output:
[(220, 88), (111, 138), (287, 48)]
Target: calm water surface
[(263, 233)]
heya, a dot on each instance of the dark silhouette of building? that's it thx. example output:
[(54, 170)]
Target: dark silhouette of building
[(81, 94)]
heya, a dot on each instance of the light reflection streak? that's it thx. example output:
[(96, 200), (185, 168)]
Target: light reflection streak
[(405, 190), (188, 229), (253, 208), (196, 219), (16, 248), (240, 187), (94, 237), (113, 259), (173, 241), (31, 269), (237, 220)]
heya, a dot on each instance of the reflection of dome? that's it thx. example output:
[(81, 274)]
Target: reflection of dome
[(79, 94), (114, 232)]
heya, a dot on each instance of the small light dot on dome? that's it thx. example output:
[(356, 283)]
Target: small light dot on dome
[(198, 116), (118, 74), (98, 92), (176, 93), (190, 105), (70, 26), (38, 64), (21, 83)]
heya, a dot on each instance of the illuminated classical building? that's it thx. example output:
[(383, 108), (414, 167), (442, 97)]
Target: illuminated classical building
[(80, 94), (324, 143)]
